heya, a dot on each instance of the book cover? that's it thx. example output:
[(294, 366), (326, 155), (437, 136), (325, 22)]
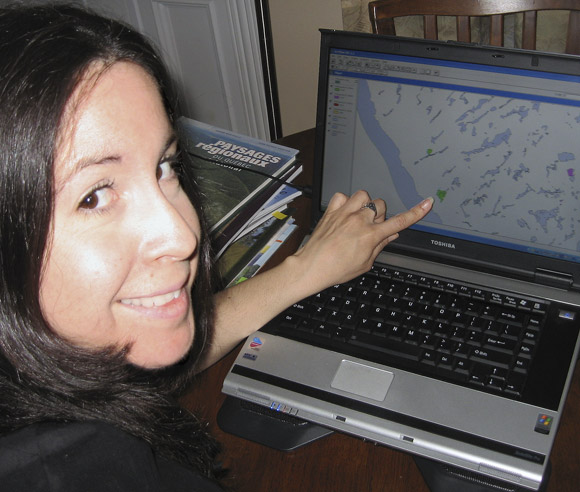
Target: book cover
[(285, 195), (244, 249), (265, 253), (228, 232), (230, 168)]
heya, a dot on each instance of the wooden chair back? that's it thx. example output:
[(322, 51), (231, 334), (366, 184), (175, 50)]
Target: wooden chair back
[(383, 12)]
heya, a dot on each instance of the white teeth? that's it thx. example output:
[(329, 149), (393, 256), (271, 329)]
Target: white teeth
[(152, 301)]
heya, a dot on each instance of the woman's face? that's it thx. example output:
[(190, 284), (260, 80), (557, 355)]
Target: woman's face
[(124, 247)]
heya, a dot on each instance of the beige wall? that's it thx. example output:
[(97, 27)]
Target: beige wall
[(295, 25)]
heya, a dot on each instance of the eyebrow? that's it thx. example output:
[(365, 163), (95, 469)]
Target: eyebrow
[(108, 159)]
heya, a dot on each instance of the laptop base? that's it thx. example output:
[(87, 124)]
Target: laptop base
[(284, 432), (444, 478), (267, 427)]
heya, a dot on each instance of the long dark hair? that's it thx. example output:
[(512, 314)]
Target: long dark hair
[(45, 52)]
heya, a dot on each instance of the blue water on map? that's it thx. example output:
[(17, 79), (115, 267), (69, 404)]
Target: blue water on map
[(389, 151)]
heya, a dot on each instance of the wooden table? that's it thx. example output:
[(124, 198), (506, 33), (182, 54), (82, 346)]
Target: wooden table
[(339, 462)]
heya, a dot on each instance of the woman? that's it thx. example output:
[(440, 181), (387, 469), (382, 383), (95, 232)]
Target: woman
[(106, 306)]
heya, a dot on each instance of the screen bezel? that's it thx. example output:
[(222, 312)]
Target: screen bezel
[(489, 258)]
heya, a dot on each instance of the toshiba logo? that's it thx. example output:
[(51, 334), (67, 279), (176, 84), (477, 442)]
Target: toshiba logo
[(442, 244)]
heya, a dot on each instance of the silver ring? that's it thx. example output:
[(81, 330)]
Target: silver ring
[(371, 206)]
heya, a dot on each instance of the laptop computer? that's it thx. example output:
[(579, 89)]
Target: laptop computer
[(492, 135)]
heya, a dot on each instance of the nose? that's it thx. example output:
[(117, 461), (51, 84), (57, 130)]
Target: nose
[(169, 229)]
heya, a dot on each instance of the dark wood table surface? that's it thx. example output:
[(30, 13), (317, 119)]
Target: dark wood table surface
[(340, 462)]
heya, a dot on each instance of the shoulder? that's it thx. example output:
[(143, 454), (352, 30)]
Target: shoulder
[(75, 456), (87, 456)]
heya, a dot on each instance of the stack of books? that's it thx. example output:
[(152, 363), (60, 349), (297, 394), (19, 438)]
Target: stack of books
[(246, 191)]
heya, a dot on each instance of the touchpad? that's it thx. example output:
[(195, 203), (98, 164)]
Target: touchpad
[(362, 380)]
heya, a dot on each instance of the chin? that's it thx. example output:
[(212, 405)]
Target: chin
[(159, 356)]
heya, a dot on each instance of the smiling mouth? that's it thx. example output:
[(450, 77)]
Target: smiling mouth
[(154, 301)]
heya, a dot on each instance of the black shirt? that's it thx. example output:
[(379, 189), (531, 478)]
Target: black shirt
[(93, 456)]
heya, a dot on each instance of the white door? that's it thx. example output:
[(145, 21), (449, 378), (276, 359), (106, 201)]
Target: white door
[(212, 48)]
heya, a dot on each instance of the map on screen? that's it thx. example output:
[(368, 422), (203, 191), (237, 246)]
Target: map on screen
[(493, 162)]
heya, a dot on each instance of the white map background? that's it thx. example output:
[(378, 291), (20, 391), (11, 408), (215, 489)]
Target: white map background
[(498, 165)]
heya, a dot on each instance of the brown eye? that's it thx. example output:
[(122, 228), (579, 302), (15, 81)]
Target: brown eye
[(98, 198), (90, 201), (165, 170)]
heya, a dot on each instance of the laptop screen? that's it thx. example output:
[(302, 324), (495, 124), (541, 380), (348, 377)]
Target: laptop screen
[(497, 146)]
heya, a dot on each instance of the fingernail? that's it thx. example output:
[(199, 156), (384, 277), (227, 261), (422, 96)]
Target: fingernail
[(427, 203)]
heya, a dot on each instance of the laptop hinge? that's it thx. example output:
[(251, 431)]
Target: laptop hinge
[(553, 279)]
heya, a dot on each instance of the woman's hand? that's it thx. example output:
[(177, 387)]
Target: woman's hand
[(344, 245), (349, 237)]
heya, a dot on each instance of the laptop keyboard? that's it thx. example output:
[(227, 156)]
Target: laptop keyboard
[(456, 333)]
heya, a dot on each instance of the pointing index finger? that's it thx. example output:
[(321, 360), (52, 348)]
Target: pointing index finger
[(403, 220)]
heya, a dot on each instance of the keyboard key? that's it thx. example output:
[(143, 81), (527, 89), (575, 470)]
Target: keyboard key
[(478, 323), (413, 337), (521, 365), (458, 334), (496, 298), (350, 321), (479, 294), (489, 311), (478, 376), (425, 297), (335, 318), (494, 327), (410, 321), (322, 329), (525, 305), (531, 336), (334, 302), (461, 350), (377, 313), (395, 303), (341, 333), (450, 287), (474, 338), (526, 350), (429, 357), (461, 366), (351, 293), (501, 344), (318, 299), (437, 284), (320, 313), (495, 383), (443, 329), (511, 301), (512, 332), (445, 361), (387, 346), (511, 316), (498, 372), (472, 307), (445, 346), (365, 325), (289, 321), (395, 333), (429, 341), (515, 384), (465, 291), (492, 357), (460, 319), (426, 325), (539, 307)]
